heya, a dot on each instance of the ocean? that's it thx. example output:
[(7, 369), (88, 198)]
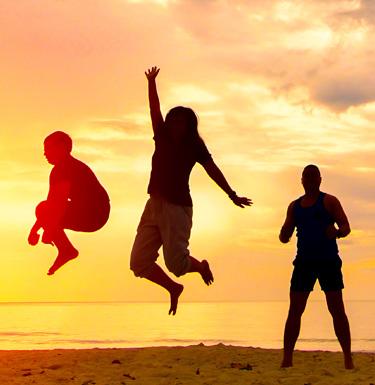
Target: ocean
[(118, 325)]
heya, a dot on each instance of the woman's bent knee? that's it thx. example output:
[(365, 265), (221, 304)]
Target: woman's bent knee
[(179, 266), (139, 265), (140, 271)]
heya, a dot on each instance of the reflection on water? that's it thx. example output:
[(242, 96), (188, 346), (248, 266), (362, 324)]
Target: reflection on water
[(87, 325)]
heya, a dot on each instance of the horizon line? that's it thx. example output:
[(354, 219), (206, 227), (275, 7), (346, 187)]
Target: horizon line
[(151, 302)]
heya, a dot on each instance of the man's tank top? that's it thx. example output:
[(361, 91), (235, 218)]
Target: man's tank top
[(311, 223)]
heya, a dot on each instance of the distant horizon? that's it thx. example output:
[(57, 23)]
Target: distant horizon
[(166, 301)]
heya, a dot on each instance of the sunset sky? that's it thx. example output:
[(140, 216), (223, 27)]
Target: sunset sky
[(276, 85)]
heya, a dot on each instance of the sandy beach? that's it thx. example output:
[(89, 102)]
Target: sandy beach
[(206, 365)]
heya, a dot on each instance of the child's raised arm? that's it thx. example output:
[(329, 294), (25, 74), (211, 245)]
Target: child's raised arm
[(156, 116)]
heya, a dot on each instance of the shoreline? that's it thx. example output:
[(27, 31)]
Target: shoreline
[(201, 344), (177, 344), (181, 365)]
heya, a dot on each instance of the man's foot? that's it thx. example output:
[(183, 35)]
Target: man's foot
[(62, 258), (286, 363), (206, 273), (175, 294), (348, 362)]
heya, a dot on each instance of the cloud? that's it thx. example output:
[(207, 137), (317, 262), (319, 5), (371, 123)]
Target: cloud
[(134, 127), (287, 45), (340, 94), (364, 12), (190, 93)]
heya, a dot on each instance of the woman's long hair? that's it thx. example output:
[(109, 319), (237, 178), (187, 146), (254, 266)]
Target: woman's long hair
[(190, 117)]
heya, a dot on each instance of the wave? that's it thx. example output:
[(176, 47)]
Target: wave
[(27, 334), (86, 342), (138, 342)]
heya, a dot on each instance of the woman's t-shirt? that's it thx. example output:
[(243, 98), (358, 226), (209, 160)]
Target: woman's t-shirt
[(171, 167)]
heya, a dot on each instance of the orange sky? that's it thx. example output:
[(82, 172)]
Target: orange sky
[(276, 85)]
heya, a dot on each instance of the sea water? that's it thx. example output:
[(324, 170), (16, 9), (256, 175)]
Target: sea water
[(102, 325)]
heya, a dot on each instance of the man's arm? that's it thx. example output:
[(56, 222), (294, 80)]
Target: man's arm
[(289, 225), (153, 98), (218, 177), (334, 207)]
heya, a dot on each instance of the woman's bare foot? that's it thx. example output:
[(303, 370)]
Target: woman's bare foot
[(206, 273), (62, 258), (175, 294)]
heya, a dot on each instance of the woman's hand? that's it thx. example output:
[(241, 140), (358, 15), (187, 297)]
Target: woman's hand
[(241, 201), (152, 73)]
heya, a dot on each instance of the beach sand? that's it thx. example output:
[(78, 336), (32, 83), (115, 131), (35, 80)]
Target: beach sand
[(199, 364)]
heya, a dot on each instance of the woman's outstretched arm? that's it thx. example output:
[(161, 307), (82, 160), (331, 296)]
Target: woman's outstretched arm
[(156, 116), (218, 177)]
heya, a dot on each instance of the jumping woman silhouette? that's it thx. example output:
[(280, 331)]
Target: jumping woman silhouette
[(167, 217)]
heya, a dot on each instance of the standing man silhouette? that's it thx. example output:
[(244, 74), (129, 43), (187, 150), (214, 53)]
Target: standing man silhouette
[(76, 200), (315, 215)]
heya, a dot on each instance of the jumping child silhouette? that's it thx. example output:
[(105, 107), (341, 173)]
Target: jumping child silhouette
[(76, 200)]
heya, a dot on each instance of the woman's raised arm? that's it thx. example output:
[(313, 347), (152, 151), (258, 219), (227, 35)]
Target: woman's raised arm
[(156, 116)]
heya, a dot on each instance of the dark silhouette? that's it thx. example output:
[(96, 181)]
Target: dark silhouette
[(315, 215), (167, 217), (76, 200)]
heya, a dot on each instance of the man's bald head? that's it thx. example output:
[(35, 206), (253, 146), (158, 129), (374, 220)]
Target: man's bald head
[(311, 178)]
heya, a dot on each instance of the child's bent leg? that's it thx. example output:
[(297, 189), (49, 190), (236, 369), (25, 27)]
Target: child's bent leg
[(66, 250)]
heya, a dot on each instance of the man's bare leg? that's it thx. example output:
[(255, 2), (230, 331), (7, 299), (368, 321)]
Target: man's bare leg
[(341, 324), (298, 300), (203, 268), (66, 251), (158, 276)]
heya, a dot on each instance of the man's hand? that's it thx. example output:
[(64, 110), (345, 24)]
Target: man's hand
[(289, 225), (152, 73), (33, 238), (284, 235), (331, 232)]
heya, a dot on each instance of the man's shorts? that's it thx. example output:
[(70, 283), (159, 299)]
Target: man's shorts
[(162, 224), (327, 271)]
